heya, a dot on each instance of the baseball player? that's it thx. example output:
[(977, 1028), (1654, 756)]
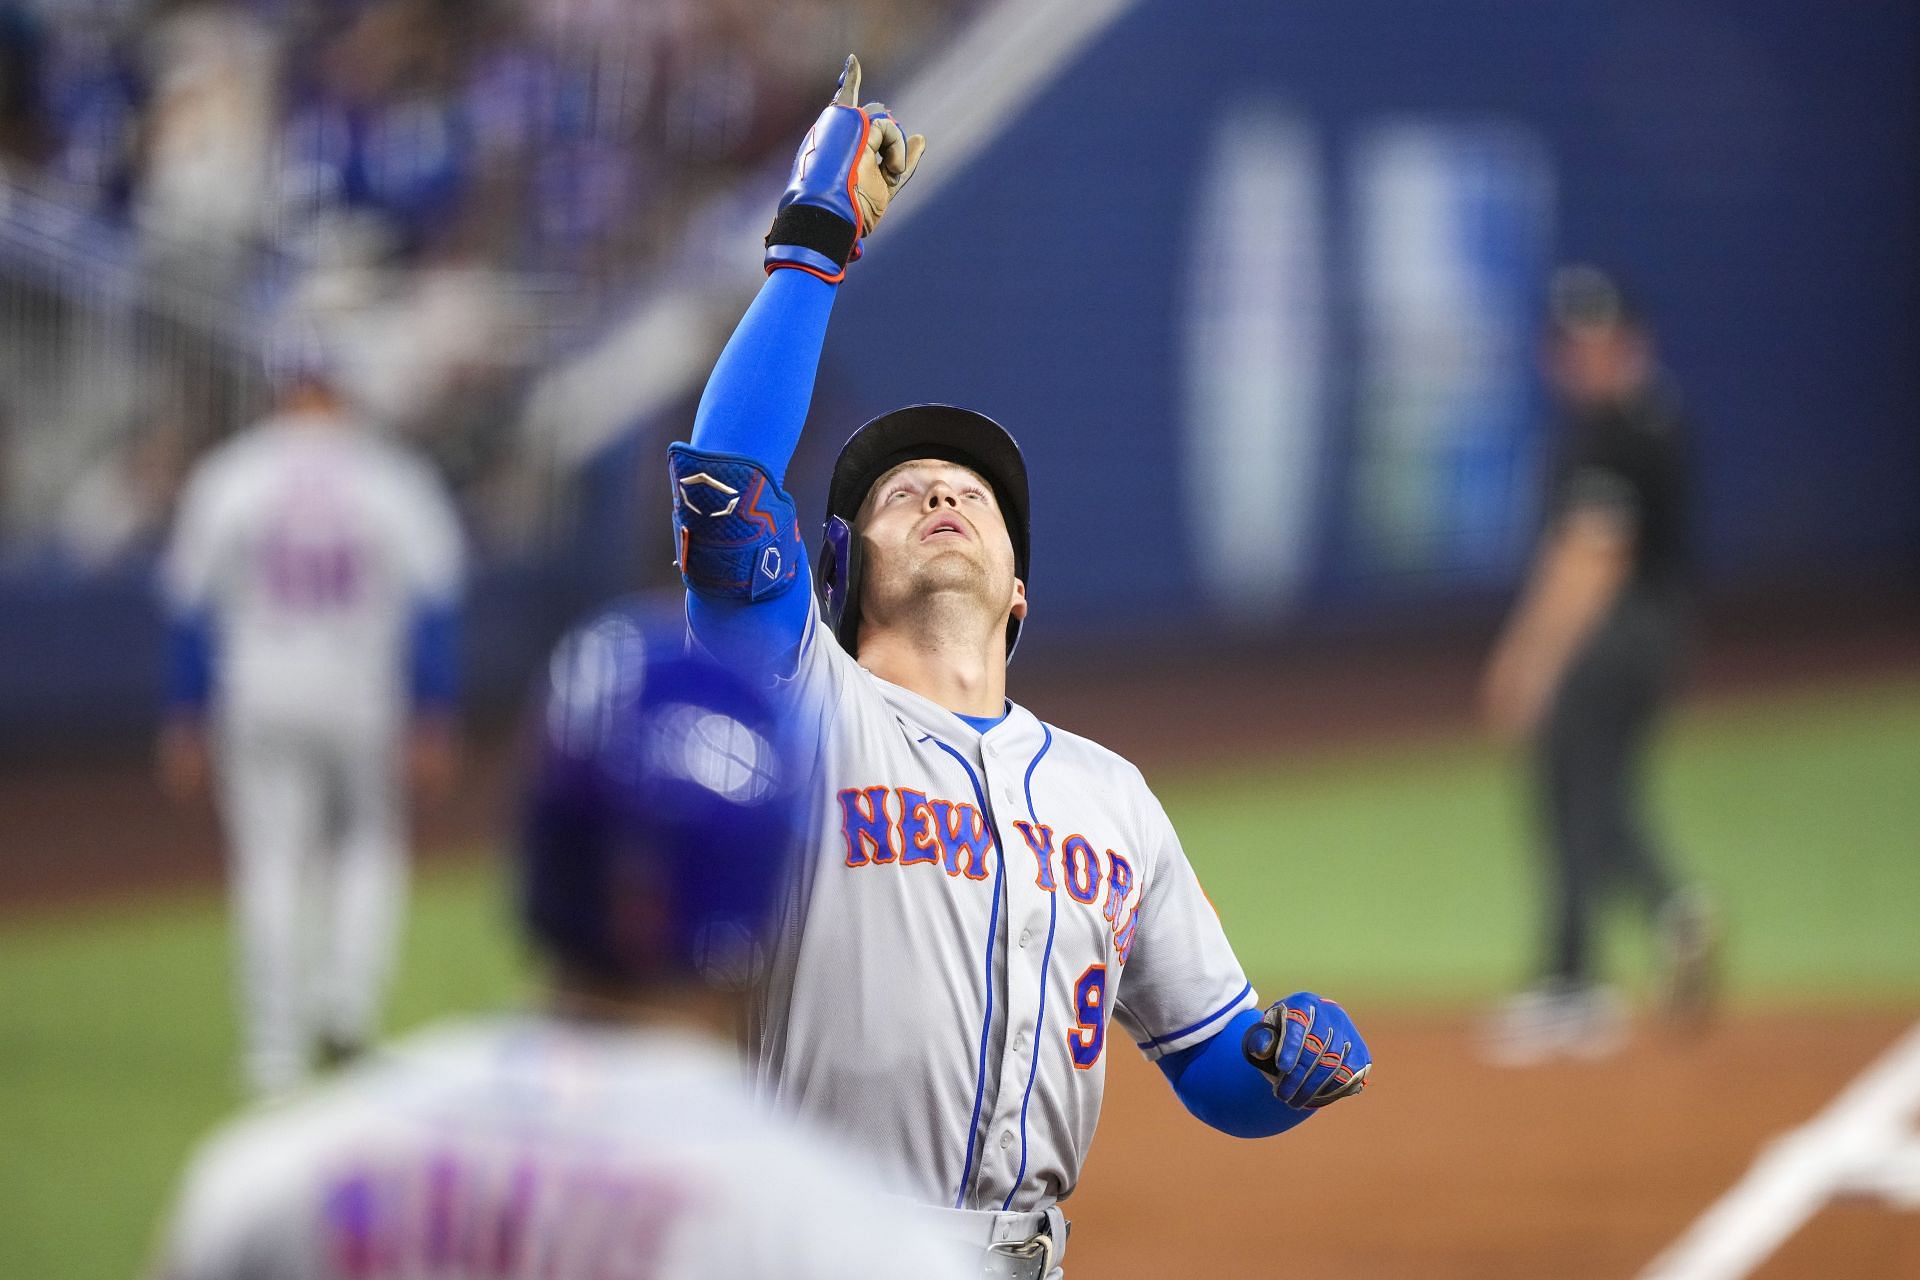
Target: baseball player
[(988, 898), (614, 1132), (312, 589)]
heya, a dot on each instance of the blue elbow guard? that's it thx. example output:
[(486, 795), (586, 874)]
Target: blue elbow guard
[(736, 534)]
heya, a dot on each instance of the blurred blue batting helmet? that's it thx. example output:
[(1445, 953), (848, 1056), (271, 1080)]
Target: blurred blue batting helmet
[(663, 813)]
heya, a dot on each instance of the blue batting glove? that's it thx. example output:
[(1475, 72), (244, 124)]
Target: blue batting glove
[(1310, 1051), (845, 174)]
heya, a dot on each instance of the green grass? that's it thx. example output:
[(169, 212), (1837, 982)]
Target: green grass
[(1411, 874), (118, 1049), (1400, 876)]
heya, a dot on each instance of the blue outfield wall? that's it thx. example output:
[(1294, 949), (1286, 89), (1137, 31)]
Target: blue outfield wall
[(1748, 167), (81, 660)]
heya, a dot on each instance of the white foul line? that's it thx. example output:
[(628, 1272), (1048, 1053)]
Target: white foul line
[(1868, 1127)]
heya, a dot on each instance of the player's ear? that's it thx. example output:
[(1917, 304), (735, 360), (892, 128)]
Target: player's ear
[(1019, 609)]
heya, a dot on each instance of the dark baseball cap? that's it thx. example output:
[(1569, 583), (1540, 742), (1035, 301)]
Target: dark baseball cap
[(943, 432)]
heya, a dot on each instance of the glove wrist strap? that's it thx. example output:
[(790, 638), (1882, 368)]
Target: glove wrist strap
[(823, 233)]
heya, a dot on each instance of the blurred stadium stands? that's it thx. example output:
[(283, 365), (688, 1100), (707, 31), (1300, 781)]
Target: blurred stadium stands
[(459, 194), (1263, 311)]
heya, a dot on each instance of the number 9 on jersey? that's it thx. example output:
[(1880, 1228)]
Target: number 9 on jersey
[(1086, 1040)]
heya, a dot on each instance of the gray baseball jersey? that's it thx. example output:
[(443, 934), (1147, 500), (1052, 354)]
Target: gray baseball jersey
[(980, 911), (535, 1147)]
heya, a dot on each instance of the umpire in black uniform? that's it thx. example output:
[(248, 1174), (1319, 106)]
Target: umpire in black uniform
[(1588, 661)]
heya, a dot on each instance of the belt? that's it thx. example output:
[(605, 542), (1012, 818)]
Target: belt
[(1013, 1246)]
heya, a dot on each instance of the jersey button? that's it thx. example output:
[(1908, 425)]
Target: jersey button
[(1006, 1140), (1019, 1044), (1026, 936)]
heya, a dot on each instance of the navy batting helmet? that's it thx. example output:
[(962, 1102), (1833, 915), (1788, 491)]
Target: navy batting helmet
[(663, 813), (918, 431)]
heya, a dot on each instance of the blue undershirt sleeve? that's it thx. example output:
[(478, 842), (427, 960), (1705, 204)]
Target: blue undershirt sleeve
[(755, 405), (189, 663), (1214, 1081), (434, 675)]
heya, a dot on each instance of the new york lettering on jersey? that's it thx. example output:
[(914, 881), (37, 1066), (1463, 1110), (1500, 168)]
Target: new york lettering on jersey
[(882, 825)]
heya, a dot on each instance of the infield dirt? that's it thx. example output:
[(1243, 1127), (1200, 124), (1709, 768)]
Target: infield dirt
[(1448, 1169)]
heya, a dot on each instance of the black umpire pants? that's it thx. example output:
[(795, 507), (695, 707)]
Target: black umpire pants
[(1591, 756)]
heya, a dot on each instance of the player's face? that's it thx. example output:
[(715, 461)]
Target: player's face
[(929, 527), (1599, 365)]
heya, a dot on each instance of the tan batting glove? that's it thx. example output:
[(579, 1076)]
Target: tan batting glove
[(889, 158)]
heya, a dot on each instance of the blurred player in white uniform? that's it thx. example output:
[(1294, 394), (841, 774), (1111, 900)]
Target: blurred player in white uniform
[(312, 587), (614, 1133)]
